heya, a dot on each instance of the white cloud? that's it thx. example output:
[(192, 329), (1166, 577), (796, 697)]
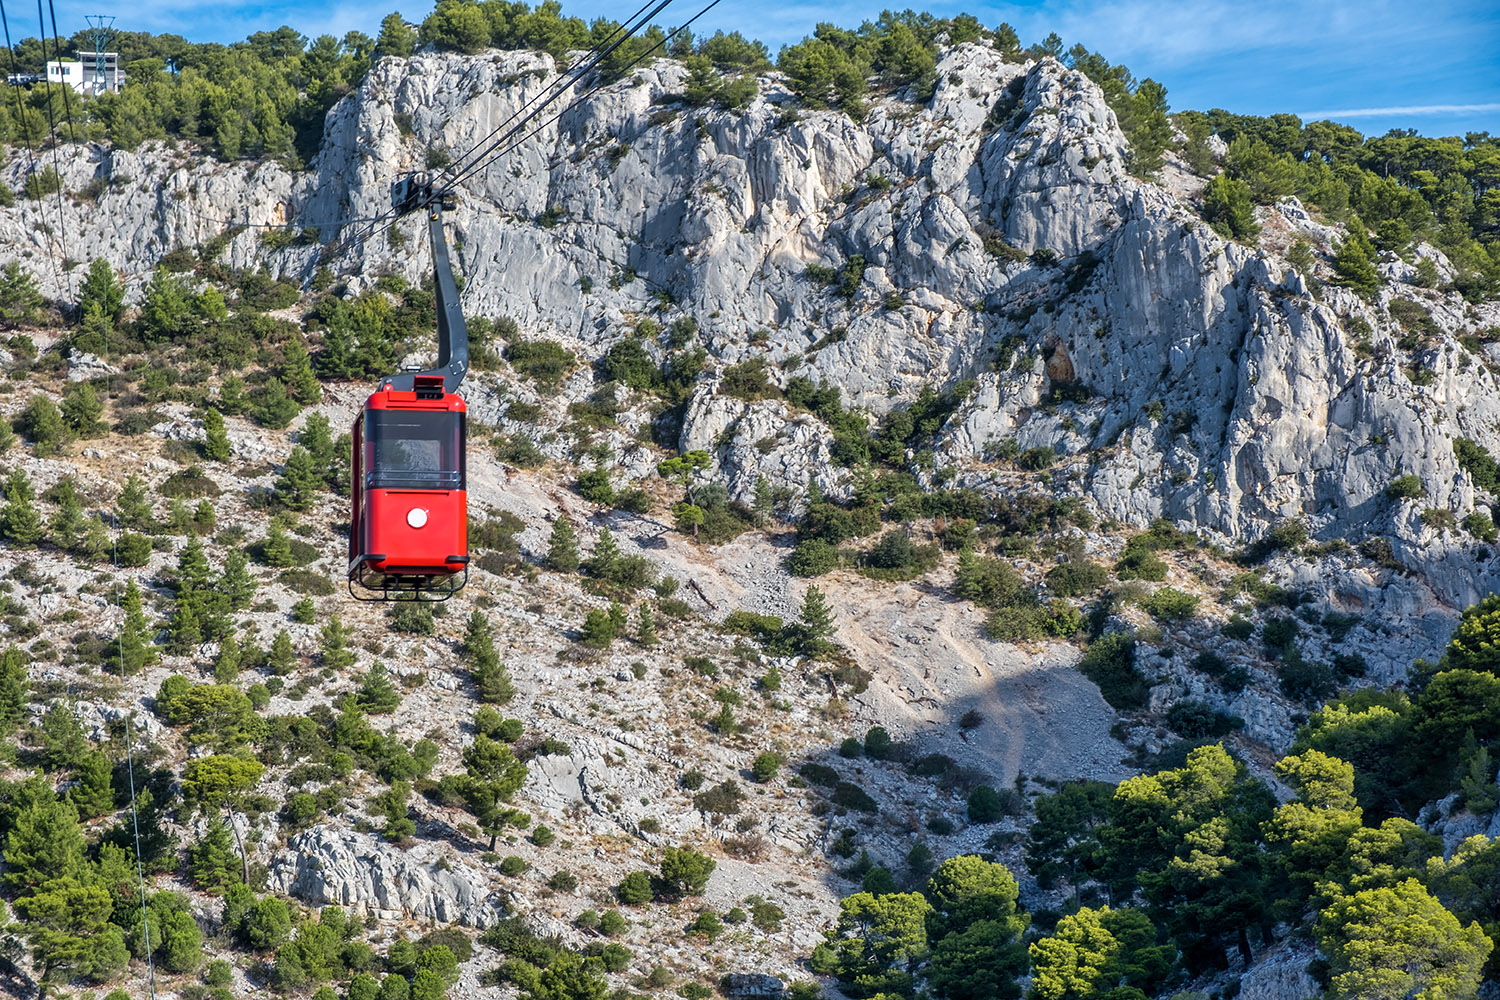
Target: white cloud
[(1414, 109)]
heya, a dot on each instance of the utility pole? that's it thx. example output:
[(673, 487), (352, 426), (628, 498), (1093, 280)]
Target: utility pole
[(101, 27)]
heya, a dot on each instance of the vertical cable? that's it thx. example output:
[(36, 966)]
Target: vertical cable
[(62, 219)]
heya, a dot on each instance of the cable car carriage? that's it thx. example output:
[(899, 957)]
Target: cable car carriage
[(409, 530)]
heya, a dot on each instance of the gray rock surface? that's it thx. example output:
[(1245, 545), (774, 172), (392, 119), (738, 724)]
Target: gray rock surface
[(1208, 382), (328, 865)]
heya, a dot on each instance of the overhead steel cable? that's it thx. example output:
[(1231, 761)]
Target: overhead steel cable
[(57, 47), (494, 152), (15, 75), (591, 92), (51, 113), (592, 59), (62, 216), (521, 116), (115, 556)]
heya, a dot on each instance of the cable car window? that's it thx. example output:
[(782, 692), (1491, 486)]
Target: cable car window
[(414, 450)]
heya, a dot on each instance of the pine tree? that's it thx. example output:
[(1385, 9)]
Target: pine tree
[(19, 521), (396, 37), (93, 795), (1477, 786), (646, 626), (764, 503), (1354, 261), (562, 546), (15, 688), (133, 652), (278, 547), (81, 410), (96, 542), (391, 804), (45, 842), (492, 776), (68, 523), (377, 695), (301, 478), (492, 681), (283, 657), (617, 616), (213, 861), (20, 300), (298, 375), (317, 438), (101, 290), (334, 648), (203, 517), (64, 745), (236, 583), (273, 407), (193, 573), (598, 630), (132, 506), (215, 436), (185, 630), (817, 624), (1300, 256), (179, 519), (232, 399), (227, 663), (1228, 209), (606, 554)]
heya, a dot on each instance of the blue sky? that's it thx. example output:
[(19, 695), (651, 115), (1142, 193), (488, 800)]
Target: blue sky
[(1374, 64)]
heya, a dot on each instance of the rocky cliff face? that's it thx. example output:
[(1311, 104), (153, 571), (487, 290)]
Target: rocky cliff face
[(1205, 381)]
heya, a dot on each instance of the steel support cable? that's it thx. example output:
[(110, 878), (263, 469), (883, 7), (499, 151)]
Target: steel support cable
[(366, 236), (62, 221), (21, 122), (518, 120), (57, 47), (591, 92), (115, 555), (564, 81)]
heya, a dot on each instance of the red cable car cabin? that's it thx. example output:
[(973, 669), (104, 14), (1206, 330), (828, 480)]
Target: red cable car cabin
[(409, 527), (409, 512)]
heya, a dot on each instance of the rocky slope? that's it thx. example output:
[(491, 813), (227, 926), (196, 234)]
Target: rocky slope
[(1209, 385), (1203, 380)]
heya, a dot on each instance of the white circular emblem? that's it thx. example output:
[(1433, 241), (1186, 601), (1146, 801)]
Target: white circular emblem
[(416, 517)]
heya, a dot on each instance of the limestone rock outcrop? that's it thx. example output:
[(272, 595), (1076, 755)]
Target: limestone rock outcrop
[(992, 237), (326, 865)]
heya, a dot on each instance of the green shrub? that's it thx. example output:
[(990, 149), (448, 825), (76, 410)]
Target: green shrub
[(812, 557), (819, 774), (1407, 487), (545, 362), (1109, 662), (987, 805), (133, 550), (765, 767), (851, 796), (1238, 627), (1196, 720), (635, 889), (1170, 604), (1481, 526), (1278, 632), (1140, 562), (1071, 579), (1481, 466), (511, 865)]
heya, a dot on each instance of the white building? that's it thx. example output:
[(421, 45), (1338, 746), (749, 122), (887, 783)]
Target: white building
[(82, 74)]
